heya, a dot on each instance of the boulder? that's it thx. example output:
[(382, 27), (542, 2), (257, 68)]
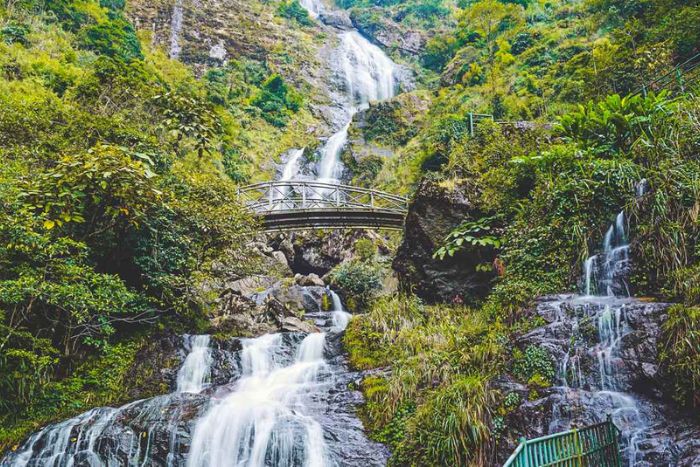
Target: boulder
[(310, 280), (336, 18), (433, 213)]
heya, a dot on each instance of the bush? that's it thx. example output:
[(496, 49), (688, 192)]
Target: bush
[(679, 348), (358, 282), (291, 9), (535, 366)]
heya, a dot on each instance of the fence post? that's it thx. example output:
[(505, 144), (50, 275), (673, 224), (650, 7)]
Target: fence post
[(303, 195), (679, 77), (471, 124), (526, 458), (371, 199), (269, 195)]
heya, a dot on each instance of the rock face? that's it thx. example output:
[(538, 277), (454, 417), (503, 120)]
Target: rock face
[(317, 253), (248, 310), (598, 376), (434, 212)]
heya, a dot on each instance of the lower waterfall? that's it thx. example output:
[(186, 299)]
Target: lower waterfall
[(279, 399)]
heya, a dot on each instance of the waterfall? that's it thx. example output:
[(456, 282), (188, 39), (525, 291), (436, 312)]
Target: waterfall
[(176, 30), (366, 74), (314, 7), (604, 273), (194, 373), (80, 440), (287, 403), (604, 304), (263, 421), (340, 317)]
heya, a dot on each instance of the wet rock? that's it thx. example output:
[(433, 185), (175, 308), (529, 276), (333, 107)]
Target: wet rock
[(433, 213), (638, 396), (336, 18), (294, 324)]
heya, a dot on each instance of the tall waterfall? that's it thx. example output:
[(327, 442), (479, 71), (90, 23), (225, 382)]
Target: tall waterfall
[(366, 74)]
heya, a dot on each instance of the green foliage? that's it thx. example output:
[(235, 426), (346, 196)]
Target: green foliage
[(109, 222), (534, 366), (115, 38), (435, 406), (679, 348), (616, 123), (15, 33), (474, 233), (276, 100), (188, 117), (357, 280), (365, 249), (291, 9)]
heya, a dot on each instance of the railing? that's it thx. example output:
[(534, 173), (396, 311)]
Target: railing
[(277, 196), (676, 80), (595, 445)]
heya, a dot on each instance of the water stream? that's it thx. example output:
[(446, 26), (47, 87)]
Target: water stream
[(275, 400), (588, 372), (365, 74)]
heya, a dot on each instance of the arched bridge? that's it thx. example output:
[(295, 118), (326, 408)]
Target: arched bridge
[(290, 205)]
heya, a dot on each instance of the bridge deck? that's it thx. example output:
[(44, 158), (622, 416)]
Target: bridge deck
[(298, 205)]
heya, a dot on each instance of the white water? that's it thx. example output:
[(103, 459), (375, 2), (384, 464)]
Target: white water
[(76, 441), (176, 30), (604, 282), (263, 420), (604, 273), (340, 317), (367, 74), (193, 375)]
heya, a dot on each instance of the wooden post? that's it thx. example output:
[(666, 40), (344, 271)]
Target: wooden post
[(471, 124), (303, 195), (269, 195)]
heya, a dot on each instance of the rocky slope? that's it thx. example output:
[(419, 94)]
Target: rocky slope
[(626, 380)]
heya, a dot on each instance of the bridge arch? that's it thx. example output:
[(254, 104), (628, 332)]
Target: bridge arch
[(298, 205)]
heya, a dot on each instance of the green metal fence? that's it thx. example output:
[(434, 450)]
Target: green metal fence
[(592, 446)]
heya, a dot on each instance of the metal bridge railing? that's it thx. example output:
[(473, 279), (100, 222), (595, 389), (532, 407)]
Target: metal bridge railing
[(268, 197), (595, 445)]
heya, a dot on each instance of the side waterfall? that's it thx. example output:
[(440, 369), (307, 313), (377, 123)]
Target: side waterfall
[(604, 304)]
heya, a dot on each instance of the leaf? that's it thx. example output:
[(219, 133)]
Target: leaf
[(49, 224)]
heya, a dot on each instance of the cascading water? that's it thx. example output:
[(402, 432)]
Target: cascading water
[(176, 30), (604, 305), (366, 74), (286, 402), (604, 273), (262, 422), (341, 318), (194, 373)]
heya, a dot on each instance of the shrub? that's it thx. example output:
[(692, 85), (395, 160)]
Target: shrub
[(293, 10), (680, 354), (535, 366), (358, 282)]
